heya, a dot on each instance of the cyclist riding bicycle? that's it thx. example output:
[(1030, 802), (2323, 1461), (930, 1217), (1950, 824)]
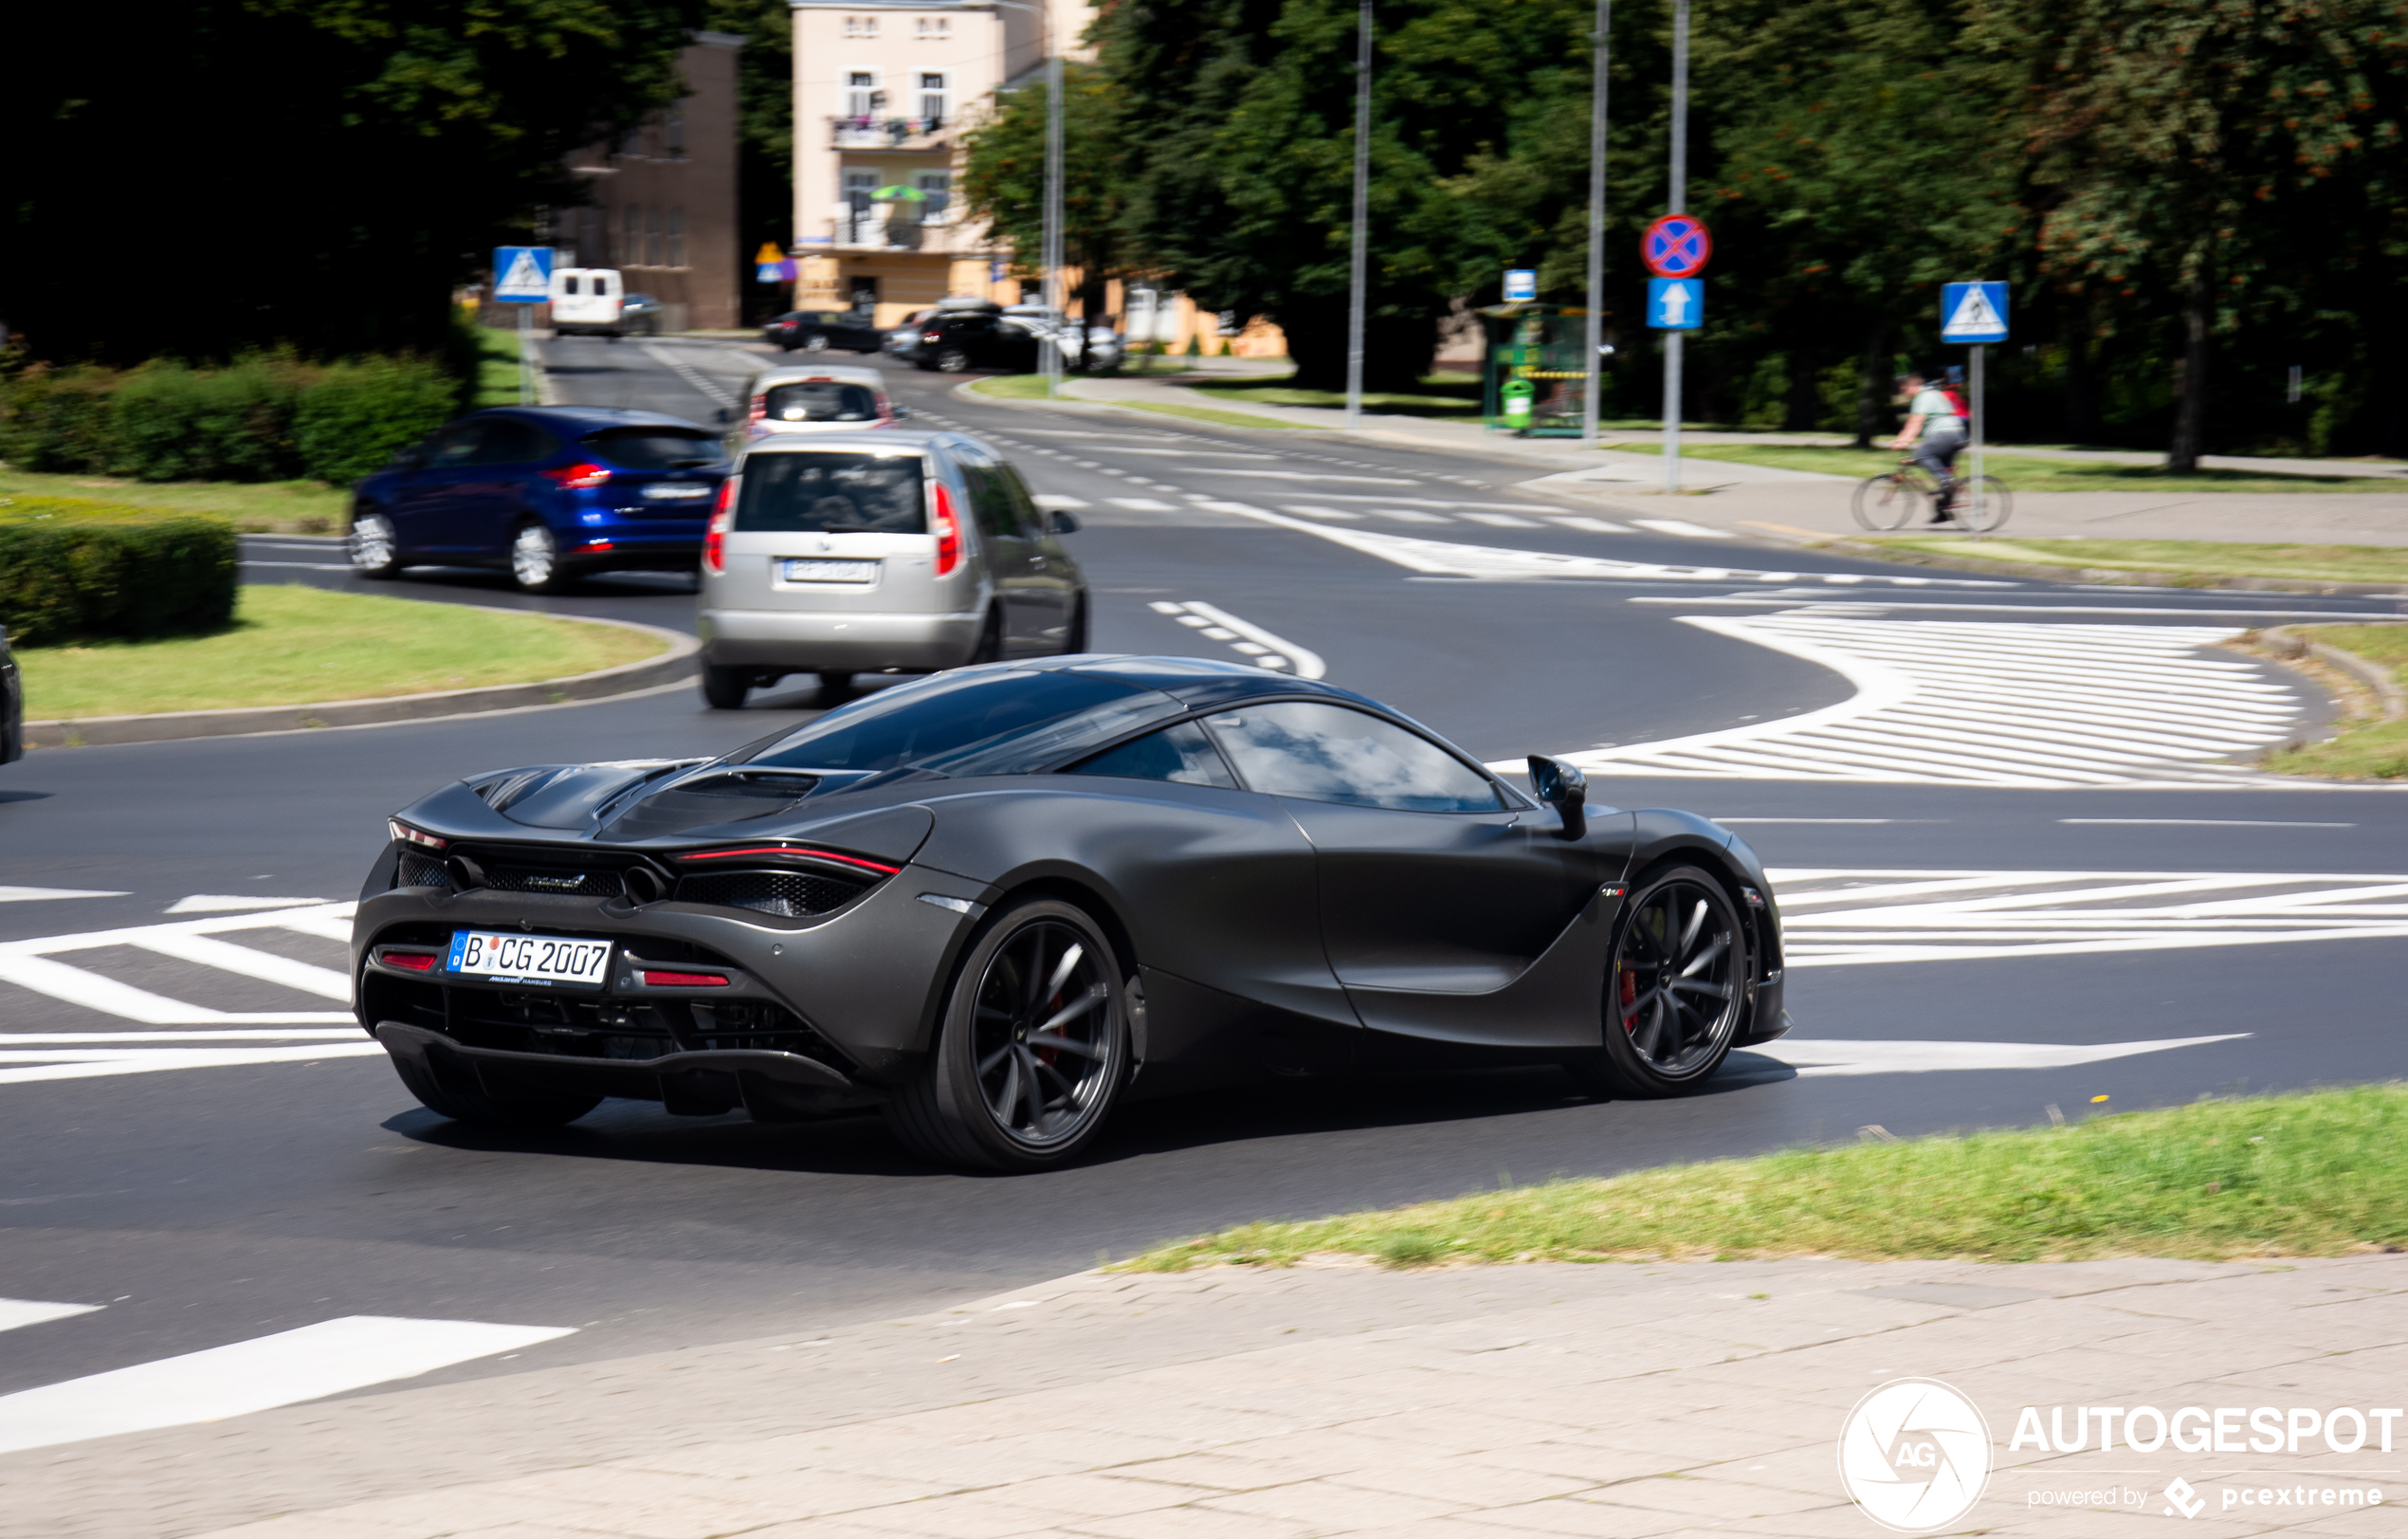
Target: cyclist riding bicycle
[(1936, 433)]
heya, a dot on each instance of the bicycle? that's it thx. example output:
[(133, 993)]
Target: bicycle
[(1890, 501)]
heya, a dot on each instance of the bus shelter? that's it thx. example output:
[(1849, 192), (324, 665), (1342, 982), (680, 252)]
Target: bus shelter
[(1537, 380)]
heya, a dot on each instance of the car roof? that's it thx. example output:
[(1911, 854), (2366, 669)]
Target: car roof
[(1197, 681), (882, 440), (587, 418), (843, 374)]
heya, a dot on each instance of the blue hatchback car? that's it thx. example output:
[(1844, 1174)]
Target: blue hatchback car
[(549, 493)]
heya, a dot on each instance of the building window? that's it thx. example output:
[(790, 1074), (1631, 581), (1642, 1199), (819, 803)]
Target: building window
[(936, 188), (862, 97), (859, 184), (939, 26), (631, 235), (676, 237), (673, 132), (861, 27), (932, 97), (652, 252)]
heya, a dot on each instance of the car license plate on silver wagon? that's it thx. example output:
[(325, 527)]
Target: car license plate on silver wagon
[(832, 571), (550, 960)]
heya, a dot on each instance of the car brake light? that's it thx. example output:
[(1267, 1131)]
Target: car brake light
[(948, 528), (756, 852), (407, 834), (760, 408), (684, 980), (414, 961), (583, 473), (932, 337), (714, 537)]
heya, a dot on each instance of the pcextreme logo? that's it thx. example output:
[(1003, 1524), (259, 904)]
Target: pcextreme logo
[(1915, 1455)]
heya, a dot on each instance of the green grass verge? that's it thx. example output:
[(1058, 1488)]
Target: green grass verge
[(259, 507), (2364, 750), (1441, 396), (496, 367), (2180, 562), (1031, 386), (1012, 387), (2030, 473), (2315, 1174), (292, 645)]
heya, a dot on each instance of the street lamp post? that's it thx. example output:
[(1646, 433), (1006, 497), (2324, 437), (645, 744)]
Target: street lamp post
[(1049, 253), (1596, 329), (1358, 265)]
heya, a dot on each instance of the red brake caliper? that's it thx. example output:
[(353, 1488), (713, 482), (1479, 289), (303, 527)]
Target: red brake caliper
[(1630, 1000)]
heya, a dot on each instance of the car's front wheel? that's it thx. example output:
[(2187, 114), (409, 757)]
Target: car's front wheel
[(723, 688), (1675, 989), (462, 1104), (816, 342), (374, 549), (1032, 1049), (534, 559)]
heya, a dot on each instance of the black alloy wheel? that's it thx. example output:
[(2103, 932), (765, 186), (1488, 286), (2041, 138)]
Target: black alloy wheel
[(373, 548), (461, 1103), (1676, 988), (1033, 1051), (815, 343)]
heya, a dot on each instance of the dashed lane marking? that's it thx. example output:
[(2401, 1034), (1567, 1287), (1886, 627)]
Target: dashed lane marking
[(1840, 917), (1595, 526), (1142, 504), (283, 1369), (45, 894), (16, 1312), (1304, 475), (1257, 645), (701, 384), (1056, 502), (1979, 703), (1682, 528), (224, 903), (1502, 521)]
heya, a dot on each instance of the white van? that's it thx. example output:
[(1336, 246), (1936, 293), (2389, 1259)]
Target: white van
[(587, 302)]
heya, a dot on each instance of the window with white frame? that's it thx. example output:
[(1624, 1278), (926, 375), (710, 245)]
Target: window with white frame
[(676, 237), (859, 184), (932, 27), (933, 96), (861, 27), (935, 193), (861, 96)]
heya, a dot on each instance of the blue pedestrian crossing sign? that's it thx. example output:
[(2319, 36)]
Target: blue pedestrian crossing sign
[(1675, 303), (1972, 312), (522, 274)]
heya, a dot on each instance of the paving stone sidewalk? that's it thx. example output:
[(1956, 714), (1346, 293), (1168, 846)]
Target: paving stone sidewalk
[(1466, 1403)]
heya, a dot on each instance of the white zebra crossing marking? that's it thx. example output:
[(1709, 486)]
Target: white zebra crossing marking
[(1813, 1058), (1682, 528), (228, 902), (1846, 918), (1501, 521), (15, 1312), (1322, 512), (1588, 525), (42, 894), (1139, 505), (258, 1374), (1958, 703), (1055, 502), (1259, 645)]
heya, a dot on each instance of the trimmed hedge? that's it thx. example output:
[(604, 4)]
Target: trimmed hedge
[(73, 569), (269, 417)]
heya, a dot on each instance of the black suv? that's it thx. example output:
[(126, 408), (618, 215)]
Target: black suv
[(959, 340)]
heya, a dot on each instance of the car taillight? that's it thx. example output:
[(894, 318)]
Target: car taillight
[(407, 834), (684, 980), (415, 961), (932, 337), (714, 537), (948, 528), (760, 409), (583, 473)]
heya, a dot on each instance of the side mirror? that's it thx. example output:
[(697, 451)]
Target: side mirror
[(1564, 788), (1063, 524)]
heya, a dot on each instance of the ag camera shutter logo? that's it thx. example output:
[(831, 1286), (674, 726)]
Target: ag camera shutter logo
[(1915, 1455)]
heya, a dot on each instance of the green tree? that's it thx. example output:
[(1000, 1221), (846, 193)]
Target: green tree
[(1003, 178), (764, 128), (223, 175)]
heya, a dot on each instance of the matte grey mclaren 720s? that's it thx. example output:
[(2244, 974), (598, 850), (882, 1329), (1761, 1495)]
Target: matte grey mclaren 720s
[(996, 902)]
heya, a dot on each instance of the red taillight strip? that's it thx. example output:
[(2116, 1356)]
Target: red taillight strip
[(406, 835), (414, 961), (784, 850)]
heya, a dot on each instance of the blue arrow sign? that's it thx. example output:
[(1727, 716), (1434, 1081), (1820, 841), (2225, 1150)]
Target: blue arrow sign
[(1675, 303), (522, 274), (1972, 312)]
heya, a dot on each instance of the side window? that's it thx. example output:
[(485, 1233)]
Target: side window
[(455, 445), (508, 441), (1024, 507), (989, 498), (1179, 752), (1328, 753)]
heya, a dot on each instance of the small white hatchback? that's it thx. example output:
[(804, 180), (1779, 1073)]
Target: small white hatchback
[(818, 398)]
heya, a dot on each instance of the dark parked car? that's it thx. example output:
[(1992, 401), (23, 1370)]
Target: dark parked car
[(12, 705), (639, 316), (995, 901), (819, 331), (546, 493), (959, 340)]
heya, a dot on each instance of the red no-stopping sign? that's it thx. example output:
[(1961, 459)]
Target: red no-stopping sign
[(1676, 246)]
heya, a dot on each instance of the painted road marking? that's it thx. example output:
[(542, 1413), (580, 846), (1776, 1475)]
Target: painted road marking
[(1055, 502), (224, 903), (1502, 521), (1849, 918), (1322, 512), (1407, 515), (1595, 526), (257, 1375), (1955, 702), (1682, 527), (1141, 505), (1304, 475), (44, 894), (1811, 1058), (1209, 453), (1256, 644), (16, 1312)]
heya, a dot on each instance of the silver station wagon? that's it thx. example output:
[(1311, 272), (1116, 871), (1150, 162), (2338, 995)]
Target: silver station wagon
[(891, 551)]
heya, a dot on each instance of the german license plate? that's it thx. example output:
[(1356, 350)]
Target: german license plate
[(552, 961), (832, 571), (674, 492)]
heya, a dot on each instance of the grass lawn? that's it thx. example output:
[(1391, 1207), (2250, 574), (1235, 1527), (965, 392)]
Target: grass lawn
[(2368, 750), (256, 508), (2029, 474), (294, 645), (496, 367), (2199, 561), (2316, 1174), (1441, 396)]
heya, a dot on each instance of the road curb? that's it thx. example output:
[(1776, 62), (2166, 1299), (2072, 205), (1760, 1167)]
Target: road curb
[(2389, 697), (242, 721), (2112, 576)]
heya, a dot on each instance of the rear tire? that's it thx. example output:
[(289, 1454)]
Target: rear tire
[(1074, 641), (953, 360), (534, 559), (1033, 1051), (723, 688), (482, 1111), (375, 550), (1887, 502), (835, 686), (816, 342)]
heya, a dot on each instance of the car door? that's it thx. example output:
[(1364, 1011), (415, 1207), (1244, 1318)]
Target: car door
[(1436, 888), (422, 504), (1003, 548), (498, 487)]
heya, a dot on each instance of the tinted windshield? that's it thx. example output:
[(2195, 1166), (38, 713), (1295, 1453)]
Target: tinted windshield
[(819, 400), (655, 448), (972, 722), (833, 490)]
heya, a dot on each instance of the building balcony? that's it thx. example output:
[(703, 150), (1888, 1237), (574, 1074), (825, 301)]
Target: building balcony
[(908, 134), (887, 227)]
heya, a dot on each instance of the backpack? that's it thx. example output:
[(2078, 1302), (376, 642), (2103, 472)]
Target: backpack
[(1955, 401)]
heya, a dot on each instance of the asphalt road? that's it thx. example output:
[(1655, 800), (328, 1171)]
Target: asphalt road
[(2143, 900)]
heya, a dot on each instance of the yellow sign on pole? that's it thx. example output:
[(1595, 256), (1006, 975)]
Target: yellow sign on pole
[(769, 253)]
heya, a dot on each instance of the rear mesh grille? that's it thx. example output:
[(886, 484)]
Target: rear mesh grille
[(592, 1027), (421, 871), (570, 881), (791, 895)]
